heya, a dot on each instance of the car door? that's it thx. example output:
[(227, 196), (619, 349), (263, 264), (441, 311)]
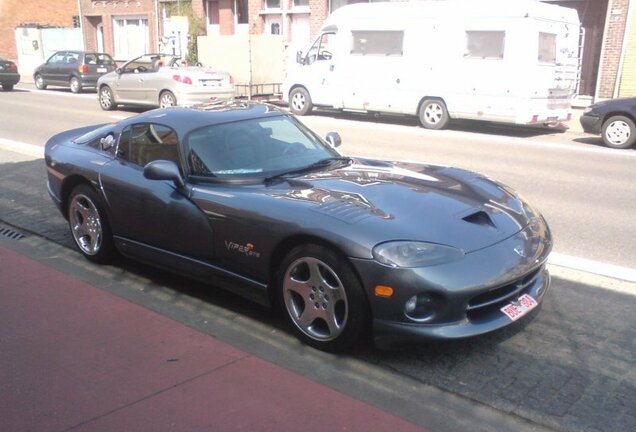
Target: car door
[(321, 74), (155, 214), (50, 70), (130, 85)]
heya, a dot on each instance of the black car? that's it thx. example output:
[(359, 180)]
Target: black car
[(9, 75), (74, 69), (614, 120), (247, 198)]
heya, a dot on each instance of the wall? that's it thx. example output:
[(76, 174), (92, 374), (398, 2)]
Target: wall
[(58, 13), (612, 48)]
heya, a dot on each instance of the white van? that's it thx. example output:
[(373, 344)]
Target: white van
[(497, 60)]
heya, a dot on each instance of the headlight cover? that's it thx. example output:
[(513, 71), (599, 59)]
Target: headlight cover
[(409, 254), (587, 110)]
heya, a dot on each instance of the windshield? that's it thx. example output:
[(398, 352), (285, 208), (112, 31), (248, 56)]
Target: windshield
[(254, 148)]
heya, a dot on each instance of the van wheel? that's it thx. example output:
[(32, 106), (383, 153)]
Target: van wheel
[(300, 101), (433, 114)]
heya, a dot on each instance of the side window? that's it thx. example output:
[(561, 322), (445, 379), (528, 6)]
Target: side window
[(321, 49), (386, 43), (57, 58), (485, 44), (147, 142), (547, 48), (71, 58)]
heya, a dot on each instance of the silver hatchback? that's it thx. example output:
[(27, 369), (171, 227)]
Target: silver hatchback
[(160, 80)]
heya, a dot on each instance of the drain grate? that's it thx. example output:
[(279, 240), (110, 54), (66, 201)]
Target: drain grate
[(12, 234)]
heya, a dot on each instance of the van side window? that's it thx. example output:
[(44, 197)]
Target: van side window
[(547, 48), (485, 44), (384, 42), (321, 49)]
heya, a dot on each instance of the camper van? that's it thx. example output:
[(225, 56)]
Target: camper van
[(496, 60)]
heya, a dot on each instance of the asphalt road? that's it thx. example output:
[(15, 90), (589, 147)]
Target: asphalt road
[(569, 368)]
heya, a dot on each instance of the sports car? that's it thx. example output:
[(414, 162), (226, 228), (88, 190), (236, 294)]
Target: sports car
[(245, 197)]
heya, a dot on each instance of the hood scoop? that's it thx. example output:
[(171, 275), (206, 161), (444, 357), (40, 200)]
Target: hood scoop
[(480, 218)]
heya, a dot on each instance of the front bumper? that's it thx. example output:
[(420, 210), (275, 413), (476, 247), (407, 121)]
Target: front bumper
[(591, 123), (469, 293)]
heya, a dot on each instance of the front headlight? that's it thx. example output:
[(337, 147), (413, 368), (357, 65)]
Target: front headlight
[(409, 254), (587, 110)]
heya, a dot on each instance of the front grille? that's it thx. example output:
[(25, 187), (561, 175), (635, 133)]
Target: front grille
[(504, 294)]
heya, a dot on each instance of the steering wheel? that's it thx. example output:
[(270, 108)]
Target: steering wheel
[(142, 68)]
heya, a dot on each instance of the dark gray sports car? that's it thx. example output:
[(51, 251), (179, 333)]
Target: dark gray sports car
[(247, 198)]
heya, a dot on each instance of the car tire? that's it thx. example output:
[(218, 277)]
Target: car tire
[(322, 299), (433, 114), (167, 99), (619, 132), (75, 85), (7, 87), (300, 101), (40, 84), (89, 226), (106, 98)]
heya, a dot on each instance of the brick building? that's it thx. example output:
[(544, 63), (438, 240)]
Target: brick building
[(45, 13)]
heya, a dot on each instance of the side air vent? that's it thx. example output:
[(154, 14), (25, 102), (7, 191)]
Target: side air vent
[(13, 235), (480, 218)]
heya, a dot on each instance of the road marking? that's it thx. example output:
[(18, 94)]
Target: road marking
[(477, 136), (118, 116), (22, 148), (59, 92), (558, 259)]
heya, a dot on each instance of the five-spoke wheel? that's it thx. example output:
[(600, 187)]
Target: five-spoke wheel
[(322, 298), (167, 99), (106, 99), (433, 114), (619, 132)]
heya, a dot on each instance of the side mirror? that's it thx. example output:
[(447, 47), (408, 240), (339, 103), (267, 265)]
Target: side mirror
[(107, 142), (163, 170), (333, 138), (118, 71), (299, 57)]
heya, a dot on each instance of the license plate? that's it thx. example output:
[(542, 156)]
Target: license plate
[(210, 83), (522, 306), (101, 70)]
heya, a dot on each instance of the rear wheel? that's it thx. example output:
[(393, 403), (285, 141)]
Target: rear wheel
[(40, 84), (619, 132), (300, 101), (76, 87), (433, 114), (7, 87), (167, 99), (89, 225), (322, 298), (106, 99)]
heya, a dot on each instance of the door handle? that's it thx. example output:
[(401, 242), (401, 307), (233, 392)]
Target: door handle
[(331, 67)]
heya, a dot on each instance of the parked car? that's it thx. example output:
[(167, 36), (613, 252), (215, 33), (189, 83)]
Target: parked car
[(75, 69), (614, 120), (9, 75), (247, 198), (160, 80)]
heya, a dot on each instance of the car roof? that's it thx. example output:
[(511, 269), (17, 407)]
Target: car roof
[(184, 120)]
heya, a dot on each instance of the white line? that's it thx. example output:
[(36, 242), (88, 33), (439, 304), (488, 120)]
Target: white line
[(59, 93), (22, 148), (118, 116), (581, 264), (590, 266)]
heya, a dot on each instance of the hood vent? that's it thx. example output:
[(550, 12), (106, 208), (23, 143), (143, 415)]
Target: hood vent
[(480, 218)]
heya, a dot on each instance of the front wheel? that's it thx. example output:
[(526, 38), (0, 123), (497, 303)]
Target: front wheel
[(322, 298), (89, 225), (619, 132), (300, 101), (167, 99), (433, 114), (106, 99), (40, 84), (76, 87)]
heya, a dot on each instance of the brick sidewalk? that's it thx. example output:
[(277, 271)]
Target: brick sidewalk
[(74, 357)]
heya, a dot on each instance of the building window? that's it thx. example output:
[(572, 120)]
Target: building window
[(213, 12), (130, 37), (241, 12), (547, 48), (485, 44), (301, 3), (272, 4), (384, 43)]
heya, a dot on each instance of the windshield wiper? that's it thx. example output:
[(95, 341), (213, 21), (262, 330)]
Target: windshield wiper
[(322, 163)]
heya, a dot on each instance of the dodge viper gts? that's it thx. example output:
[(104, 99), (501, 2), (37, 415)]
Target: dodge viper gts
[(245, 197)]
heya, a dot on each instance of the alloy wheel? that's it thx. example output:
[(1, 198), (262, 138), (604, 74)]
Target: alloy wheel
[(86, 225)]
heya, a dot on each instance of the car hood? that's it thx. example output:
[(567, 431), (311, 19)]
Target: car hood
[(405, 201)]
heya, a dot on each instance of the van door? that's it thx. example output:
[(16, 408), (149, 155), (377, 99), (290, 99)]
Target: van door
[(319, 71)]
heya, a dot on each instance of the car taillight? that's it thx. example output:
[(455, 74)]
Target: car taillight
[(83, 69), (182, 79), (13, 67)]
